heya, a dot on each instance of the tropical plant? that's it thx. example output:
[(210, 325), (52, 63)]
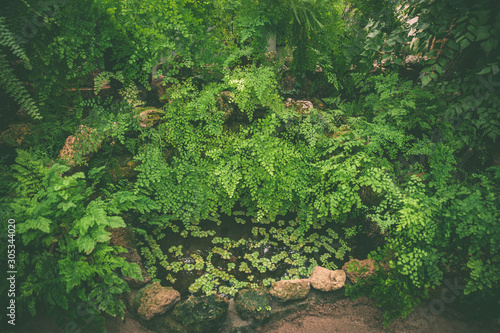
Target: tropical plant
[(67, 238)]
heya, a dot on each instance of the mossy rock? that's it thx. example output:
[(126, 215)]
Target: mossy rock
[(201, 314), (253, 303), (123, 167)]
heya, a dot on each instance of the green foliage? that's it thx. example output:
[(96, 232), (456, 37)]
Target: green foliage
[(8, 80), (458, 39), (67, 237), (423, 215), (452, 229), (249, 261), (255, 87), (222, 139)]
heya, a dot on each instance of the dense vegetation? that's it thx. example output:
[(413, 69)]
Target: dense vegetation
[(177, 112)]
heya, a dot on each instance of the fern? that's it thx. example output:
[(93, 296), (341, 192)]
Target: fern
[(8, 79), (15, 88), (68, 240), (7, 39)]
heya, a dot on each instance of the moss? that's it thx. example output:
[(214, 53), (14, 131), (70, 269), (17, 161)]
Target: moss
[(201, 314), (253, 303)]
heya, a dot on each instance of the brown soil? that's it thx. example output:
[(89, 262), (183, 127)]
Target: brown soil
[(345, 316), (362, 315)]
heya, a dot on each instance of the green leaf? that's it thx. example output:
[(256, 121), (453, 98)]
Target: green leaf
[(489, 45), (66, 205), (464, 43), (84, 224), (485, 70), (116, 222), (453, 45), (425, 80), (41, 223), (133, 271), (74, 272), (86, 244)]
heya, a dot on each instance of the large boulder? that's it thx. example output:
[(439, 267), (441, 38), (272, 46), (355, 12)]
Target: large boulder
[(302, 107), (253, 303), (327, 280), (359, 269), (289, 290), (153, 300), (201, 314)]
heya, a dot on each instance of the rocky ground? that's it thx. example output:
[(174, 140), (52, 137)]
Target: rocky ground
[(349, 316)]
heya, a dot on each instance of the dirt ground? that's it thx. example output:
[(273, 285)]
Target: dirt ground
[(362, 315), (344, 316)]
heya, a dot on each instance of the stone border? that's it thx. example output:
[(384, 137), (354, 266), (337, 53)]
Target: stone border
[(250, 308)]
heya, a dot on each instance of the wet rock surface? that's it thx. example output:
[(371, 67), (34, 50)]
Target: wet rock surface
[(201, 314), (253, 303)]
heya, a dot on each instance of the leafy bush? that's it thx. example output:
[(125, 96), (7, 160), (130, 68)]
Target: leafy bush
[(67, 258)]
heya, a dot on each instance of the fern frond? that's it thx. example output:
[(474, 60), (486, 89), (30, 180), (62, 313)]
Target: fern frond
[(7, 39), (15, 89)]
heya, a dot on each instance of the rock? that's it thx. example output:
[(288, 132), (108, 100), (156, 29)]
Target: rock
[(253, 303), (130, 297), (168, 324), (123, 167), (73, 153), (148, 116), (327, 280), (16, 134), (133, 257), (122, 237), (359, 269), (233, 321), (288, 290), (288, 82), (153, 300), (302, 107), (201, 314)]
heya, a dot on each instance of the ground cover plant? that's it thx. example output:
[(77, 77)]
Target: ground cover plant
[(251, 254), (172, 118)]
